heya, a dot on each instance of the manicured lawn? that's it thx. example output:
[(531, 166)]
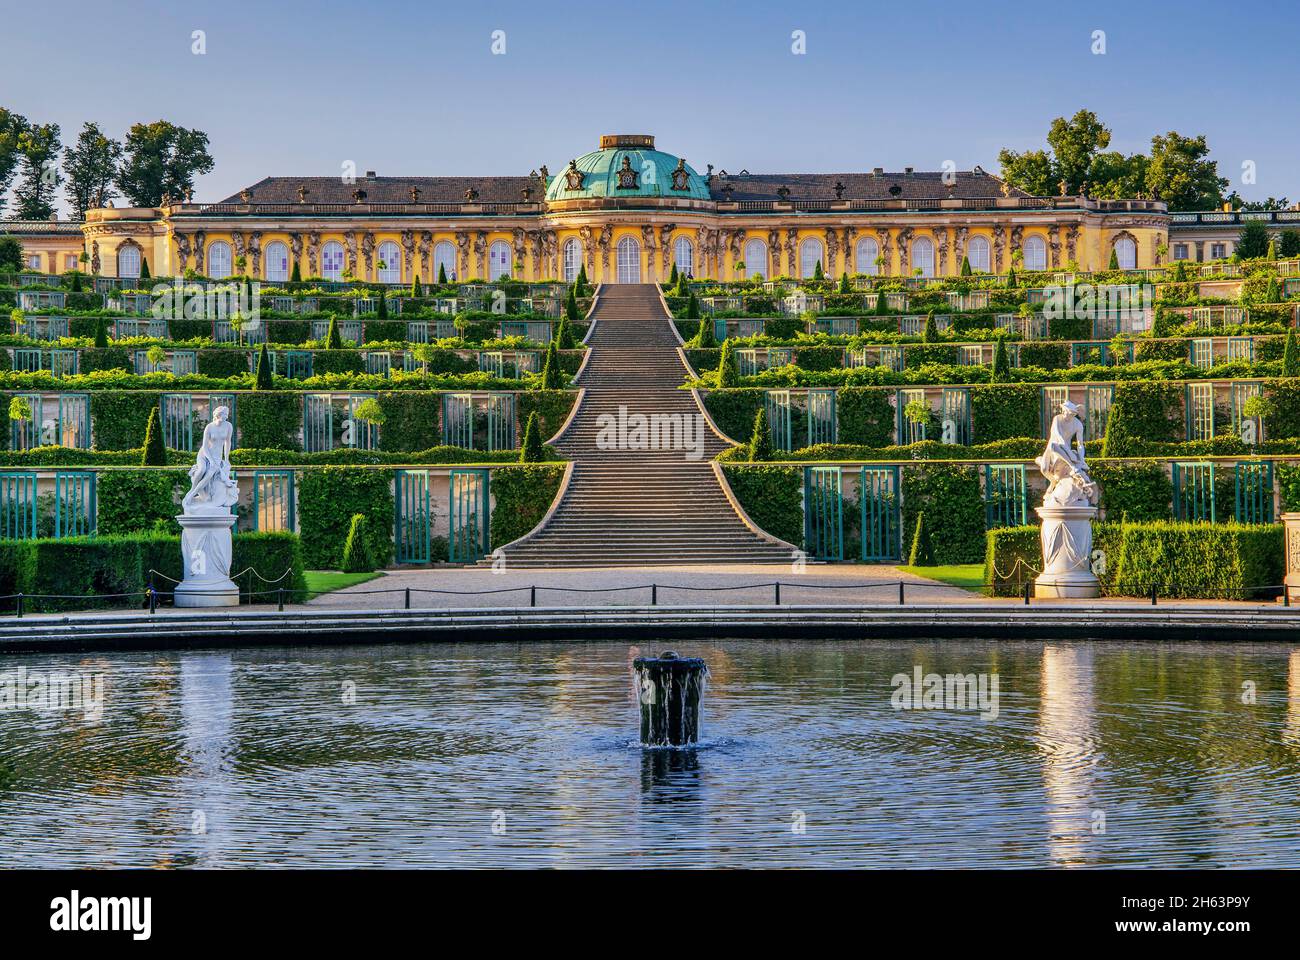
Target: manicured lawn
[(323, 581), (969, 576)]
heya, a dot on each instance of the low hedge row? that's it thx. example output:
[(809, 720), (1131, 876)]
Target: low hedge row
[(1180, 560), (109, 568)]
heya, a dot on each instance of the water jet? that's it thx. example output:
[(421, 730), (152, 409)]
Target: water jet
[(669, 689)]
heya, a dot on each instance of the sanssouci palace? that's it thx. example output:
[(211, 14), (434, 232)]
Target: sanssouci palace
[(629, 213)]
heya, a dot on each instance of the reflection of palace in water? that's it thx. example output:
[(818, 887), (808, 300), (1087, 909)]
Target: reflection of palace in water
[(1067, 744)]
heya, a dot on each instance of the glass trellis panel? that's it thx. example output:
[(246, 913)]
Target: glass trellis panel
[(1254, 490), (273, 501), (185, 362), (56, 327), (779, 357), (911, 326), (1200, 411), (317, 423), (970, 355), (747, 362), (226, 400), (719, 329), (1203, 353), (909, 431), (1241, 348), (823, 513), (891, 358), (501, 421), (27, 360), (527, 361), (1096, 407), (74, 421), (142, 364), (25, 434), (1052, 398), (1194, 492), (364, 435), (17, 505), (348, 329), (379, 364), (299, 364), (854, 359), (750, 328), (413, 516), (878, 501), (493, 363), (778, 418), (178, 421), (822, 425), (1005, 495), (74, 503), (458, 420), (64, 363), (417, 331), (411, 363), (469, 528), (956, 411), (1082, 353), (1242, 424)]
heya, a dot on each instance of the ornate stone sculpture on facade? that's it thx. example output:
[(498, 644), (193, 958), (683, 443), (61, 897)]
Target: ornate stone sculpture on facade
[(350, 246), (1017, 242), (1054, 247), (368, 253), (1068, 509), (552, 252), (255, 251), (182, 252), (295, 249), (832, 252), (462, 255), (206, 521), (408, 251), (536, 249), (519, 246), (666, 246), (886, 250), (999, 246), (737, 247), (313, 252), (238, 241), (200, 246), (588, 249), (905, 251), (959, 244), (480, 253), (426, 245), (792, 251), (94, 256), (773, 253), (648, 244), (606, 242), (850, 264), (941, 244)]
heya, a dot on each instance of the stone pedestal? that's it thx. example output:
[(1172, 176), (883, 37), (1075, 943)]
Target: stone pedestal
[(205, 552), (1291, 553), (1066, 534)]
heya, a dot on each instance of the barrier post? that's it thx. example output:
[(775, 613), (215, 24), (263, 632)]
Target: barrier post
[(408, 599), (902, 596), (1026, 593), (1153, 594), (153, 600), (778, 592), (654, 594), (280, 599), (20, 605), (532, 595)]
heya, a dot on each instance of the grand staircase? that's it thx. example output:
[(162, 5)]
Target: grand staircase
[(630, 507)]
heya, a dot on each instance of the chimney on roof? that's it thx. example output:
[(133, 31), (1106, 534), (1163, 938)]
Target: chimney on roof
[(907, 169), (877, 171), (370, 173)]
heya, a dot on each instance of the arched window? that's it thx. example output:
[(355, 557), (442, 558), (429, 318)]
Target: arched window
[(218, 260), (572, 259), (810, 254), (390, 255), (923, 256), (1035, 251), (444, 260), (277, 261), (498, 260), (1126, 252), (864, 257), (629, 260), (756, 258), (683, 256), (977, 253), (331, 261), (128, 261)]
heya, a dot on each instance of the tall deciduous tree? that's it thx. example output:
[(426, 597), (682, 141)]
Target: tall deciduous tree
[(38, 150), (1075, 142), (162, 159), (12, 126), (91, 168), (1181, 174), (1031, 171)]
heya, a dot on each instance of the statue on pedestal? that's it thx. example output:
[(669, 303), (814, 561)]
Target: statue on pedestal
[(206, 521), (1069, 507)]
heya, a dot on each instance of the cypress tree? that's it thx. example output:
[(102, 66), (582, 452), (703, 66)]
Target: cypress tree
[(551, 376), (845, 286), (417, 289), (882, 306), (296, 275), (760, 442), (532, 451), (818, 275), (1011, 277), (101, 333), (704, 337), (155, 454), (582, 280), (1001, 362), (1114, 260), (1272, 293), (144, 268), (692, 307), (1290, 355), (383, 304), (333, 341), (930, 334), (442, 274), (76, 282), (1272, 248), (571, 305), (672, 277), (1180, 271), (728, 375), (356, 549), (922, 552), (965, 266), (263, 381)]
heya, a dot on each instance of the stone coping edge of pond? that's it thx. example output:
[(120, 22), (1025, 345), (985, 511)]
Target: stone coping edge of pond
[(215, 628)]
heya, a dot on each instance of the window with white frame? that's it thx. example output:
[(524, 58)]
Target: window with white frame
[(498, 260), (444, 260), (34, 261), (1035, 253), (277, 261), (572, 259), (331, 261), (684, 256), (755, 258), (810, 254), (977, 254), (1218, 251), (1180, 251), (389, 263), (1126, 253), (128, 261), (70, 262), (865, 255), (218, 260), (923, 256)]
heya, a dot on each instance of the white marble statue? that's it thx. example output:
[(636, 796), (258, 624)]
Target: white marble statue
[(212, 489), (1062, 462)]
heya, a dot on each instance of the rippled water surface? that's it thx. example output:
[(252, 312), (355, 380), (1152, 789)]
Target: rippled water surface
[(511, 755)]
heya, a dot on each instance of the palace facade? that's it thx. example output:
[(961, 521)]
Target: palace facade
[(629, 213)]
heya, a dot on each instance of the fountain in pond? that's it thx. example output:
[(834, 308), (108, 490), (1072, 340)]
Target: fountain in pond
[(669, 689)]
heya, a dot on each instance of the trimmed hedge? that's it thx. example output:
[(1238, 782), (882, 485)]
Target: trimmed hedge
[(521, 495), (865, 416), (121, 416), (412, 421), (269, 420), (952, 497), (327, 500), (773, 498), (1004, 411), (551, 406), (1143, 412), (133, 500)]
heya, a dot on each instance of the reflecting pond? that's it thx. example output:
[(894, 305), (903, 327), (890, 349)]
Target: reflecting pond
[(515, 755)]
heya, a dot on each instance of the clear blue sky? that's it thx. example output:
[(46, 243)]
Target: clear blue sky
[(413, 88)]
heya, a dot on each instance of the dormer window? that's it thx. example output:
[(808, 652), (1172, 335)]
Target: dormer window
[(627, 177)]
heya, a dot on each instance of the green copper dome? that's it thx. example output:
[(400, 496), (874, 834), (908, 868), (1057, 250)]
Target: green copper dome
[(626, 166)]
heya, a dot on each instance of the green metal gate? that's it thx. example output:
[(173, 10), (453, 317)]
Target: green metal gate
[(779, 418), (413, 518), (1096, 408), (956, 411), (501, 421), (317, 423), (364, 434), (1194, 491), (1200, 411), (822, 427), (909, 431), (1254, 491), (74, 421), (17, 506), (469, 534), (458, 420), (1006, 500), (25, 434), (273, 500), (178, 421), (74, 503), (881, 525), (823, 513)]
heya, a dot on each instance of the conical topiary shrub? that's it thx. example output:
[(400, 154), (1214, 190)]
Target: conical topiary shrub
[(1001, 362), (532, 450), (1291, 355), (728, 374), (442, 274), (333, 340), (930, 333), (704, 338), (922, 552), (101, 333), (155, 453), (552, 377), (356, 548), (760, 442), (263, 381)]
